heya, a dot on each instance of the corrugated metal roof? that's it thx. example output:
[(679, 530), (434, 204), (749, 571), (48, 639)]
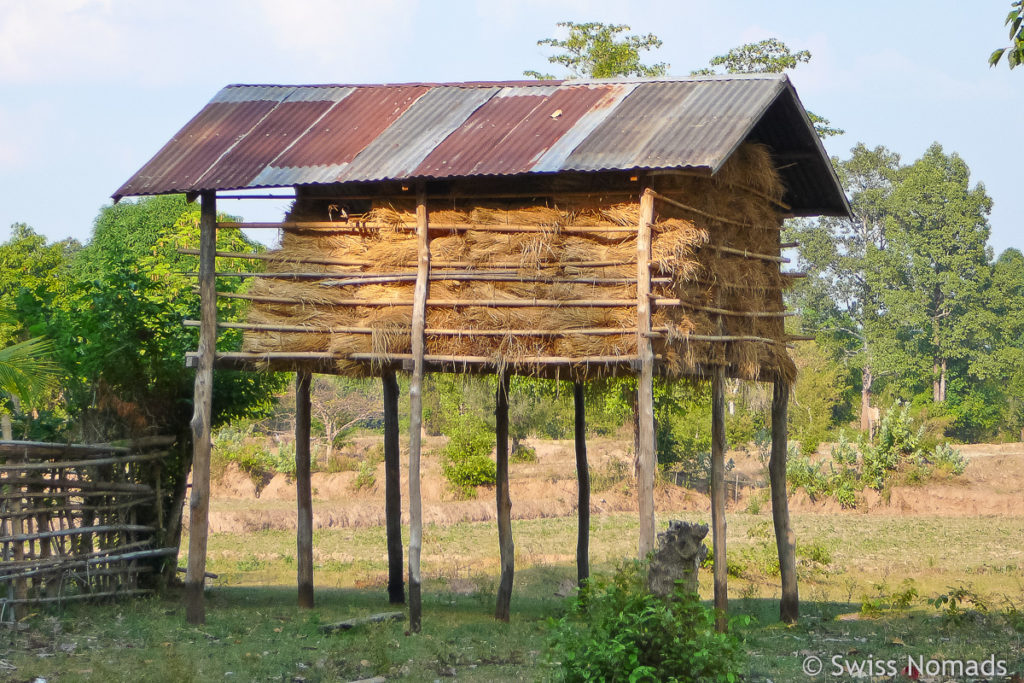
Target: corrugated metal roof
[(278, 136)]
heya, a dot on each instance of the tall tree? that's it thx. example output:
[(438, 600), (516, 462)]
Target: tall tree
[(596, 50), (767, 56), (1015, 51), (936, 286), (841, 299)]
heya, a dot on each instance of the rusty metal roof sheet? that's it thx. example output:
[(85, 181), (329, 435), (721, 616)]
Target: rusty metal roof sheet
[(277, 136)]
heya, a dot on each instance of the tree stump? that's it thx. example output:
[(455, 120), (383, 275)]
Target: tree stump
[(680, 552)]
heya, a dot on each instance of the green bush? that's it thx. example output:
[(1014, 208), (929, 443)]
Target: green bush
[(465, 460), (615, 630), (366, 477), (522, 453)]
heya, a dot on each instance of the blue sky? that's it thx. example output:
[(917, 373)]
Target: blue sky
[(90, 89)]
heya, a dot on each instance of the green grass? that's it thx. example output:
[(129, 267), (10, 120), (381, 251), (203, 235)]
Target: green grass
[(255, 632)]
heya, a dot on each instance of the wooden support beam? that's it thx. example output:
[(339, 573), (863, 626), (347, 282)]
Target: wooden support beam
[(199, 501), (785, 540), (303, 490), (718, 496), (448, 303), (646, 456), (393, 490), (582, 485), (419, 313), (504, 502)]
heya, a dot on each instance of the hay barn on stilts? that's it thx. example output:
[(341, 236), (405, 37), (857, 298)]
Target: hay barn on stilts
[(567, 230)]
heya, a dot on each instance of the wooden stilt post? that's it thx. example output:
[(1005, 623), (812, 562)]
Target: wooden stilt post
[(504, 502), (303, 490), (393, 490), (718, 495), (199, 502), (419, 312), (583, 485), (789, 607), (646, 456)]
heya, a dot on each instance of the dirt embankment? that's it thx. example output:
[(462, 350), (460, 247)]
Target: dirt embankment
[(992, 485)]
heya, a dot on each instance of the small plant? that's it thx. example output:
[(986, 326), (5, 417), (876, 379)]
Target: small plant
[(954, 604), (616, 630), (366, 477), (522, 453), (884, 601), (612, 473), (465, 460), (756, 501)]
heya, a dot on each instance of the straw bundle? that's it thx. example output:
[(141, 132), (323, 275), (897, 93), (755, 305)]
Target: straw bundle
[(545, 291)]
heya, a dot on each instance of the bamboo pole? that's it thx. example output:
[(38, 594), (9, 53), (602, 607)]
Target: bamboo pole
[(506, 546), (457, 303), (658, 301), (686, 207), (746, 254), (785, 540), (117, 460), (199, 502), (416, 406), (393, 489), (520, 264), (303, 490), (359, 279), (583, 486), (436, 331), (646, 457), (365, 226), (718, 497)]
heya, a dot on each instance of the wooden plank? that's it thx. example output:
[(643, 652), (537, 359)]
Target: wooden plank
[(503, 499), (718, 497), (646, 456), (785, 539), (303, 490), (43, 449), (393, 489), (199, 502), (582, 486), (115, 528), (419, 313)]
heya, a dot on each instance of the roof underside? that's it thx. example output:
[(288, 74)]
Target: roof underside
[(255, 136)]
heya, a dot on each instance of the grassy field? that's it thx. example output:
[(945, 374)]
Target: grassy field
[(864, 582)]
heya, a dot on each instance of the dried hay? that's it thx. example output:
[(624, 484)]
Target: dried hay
[(740, 200)]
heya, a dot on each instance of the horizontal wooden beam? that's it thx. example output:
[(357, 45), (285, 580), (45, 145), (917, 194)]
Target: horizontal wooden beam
[(258, 327), (362, 227), (721, 311), (529, 264), (355, 279), (64, 464), (440, 303)]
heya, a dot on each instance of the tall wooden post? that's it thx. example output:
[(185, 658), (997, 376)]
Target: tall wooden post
[(199, 502), (785, 540), (303, 490), (583, 485), (646, 457), (419, 313), (504, 502), (718, 495), (393, 490)]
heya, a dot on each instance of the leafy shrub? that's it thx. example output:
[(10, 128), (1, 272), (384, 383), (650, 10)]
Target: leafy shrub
[(946, 459), (366, 477), (522, 453), (465, 460), (612, 473), (615, 630)]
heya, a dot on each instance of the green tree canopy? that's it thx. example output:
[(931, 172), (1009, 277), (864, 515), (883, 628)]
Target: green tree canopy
[(596, 50), (770, 56), (1015, 51)]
